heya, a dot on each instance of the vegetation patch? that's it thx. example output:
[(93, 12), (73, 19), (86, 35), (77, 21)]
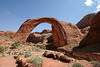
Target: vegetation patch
[(27, 54), (36, 60), (96, 63), (77, 65), (6, 38), (15, 45), (1, 49), (41, 46)]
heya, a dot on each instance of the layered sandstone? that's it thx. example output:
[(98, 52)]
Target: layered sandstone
[(64, 33), (85, 21), (93, 37)]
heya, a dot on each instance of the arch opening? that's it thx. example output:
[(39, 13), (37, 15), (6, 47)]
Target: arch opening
[(42, 33)]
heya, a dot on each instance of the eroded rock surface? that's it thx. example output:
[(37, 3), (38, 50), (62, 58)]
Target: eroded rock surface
[(85, 21), (64, 33), (39, 38), (85, 30), (93, 37)]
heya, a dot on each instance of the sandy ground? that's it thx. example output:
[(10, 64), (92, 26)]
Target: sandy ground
[(7, 62)]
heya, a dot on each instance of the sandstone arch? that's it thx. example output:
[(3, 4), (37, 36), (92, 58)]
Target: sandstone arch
[(63, 32)]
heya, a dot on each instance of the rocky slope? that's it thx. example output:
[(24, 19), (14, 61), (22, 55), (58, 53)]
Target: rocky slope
[(85, 21), (5, 43), (7, 33), (93, 37)]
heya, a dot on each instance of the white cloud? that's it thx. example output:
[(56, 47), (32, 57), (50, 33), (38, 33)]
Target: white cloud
[(88, 2), (98, 8)]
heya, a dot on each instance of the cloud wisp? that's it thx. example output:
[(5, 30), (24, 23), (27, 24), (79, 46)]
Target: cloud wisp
[(97, 8), (89, 3), (93, 3)]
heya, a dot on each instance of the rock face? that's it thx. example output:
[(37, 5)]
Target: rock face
[(39, 37), (85, 30), (93, 37), (64, 33), (85, 21), (7, 33)]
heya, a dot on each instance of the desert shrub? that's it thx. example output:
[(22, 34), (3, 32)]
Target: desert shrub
[(41, 46), (27, 54), (21, 53), (96, 63), (77, 65), (5, 47), (1, 49), (15, 45), (15, 53), (5, 38), (36, 60), (4, 55)]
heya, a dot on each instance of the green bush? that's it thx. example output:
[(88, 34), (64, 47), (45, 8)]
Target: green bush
[(21, 53), (15, 45), (36, 60), (27, 54), (77, 65), (96, 63), (6, 38), (1, 49), (6, 47), (41, 46)]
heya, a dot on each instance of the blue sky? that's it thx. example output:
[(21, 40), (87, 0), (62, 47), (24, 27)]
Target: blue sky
[(14, 12)]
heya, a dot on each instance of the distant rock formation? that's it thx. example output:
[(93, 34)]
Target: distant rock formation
[(46, 31), (93, 37), (42, 37), (85, 21), (7, 33), (64, 33)]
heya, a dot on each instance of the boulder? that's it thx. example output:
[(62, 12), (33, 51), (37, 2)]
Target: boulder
[(56, 55)]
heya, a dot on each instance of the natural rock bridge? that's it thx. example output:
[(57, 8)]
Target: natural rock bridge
[(64, 33)]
